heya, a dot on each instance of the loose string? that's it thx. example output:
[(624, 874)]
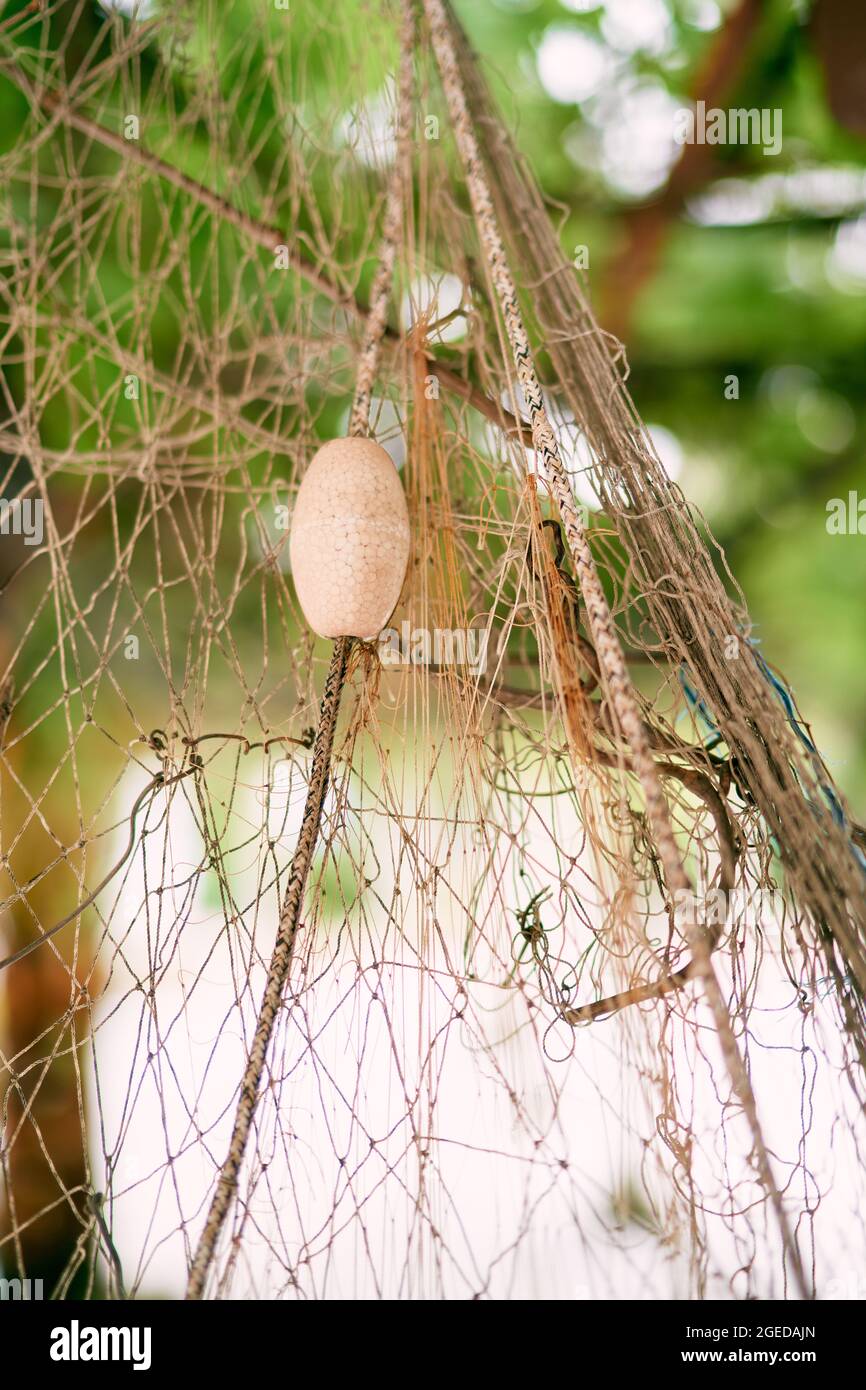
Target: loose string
[(599, 616), (157, 783), (374, 331)]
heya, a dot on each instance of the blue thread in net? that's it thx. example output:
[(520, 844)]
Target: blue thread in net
[(783, 694)]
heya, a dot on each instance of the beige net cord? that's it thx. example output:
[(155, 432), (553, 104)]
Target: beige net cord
[(488, 1073), (368, 363), (684, 600), (599, 617)]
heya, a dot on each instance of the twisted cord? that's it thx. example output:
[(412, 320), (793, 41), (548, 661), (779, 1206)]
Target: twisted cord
[(374, 331), (599, 618), (277, 973)]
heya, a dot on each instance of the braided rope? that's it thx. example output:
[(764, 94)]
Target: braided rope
[(606, 640), (374, 331)]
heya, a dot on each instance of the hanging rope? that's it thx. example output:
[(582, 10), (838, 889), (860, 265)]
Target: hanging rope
[(600, 621), (359, 420), (686, 603)]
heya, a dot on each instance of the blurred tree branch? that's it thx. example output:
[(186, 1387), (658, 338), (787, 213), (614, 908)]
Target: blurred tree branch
[(264, 235), (839, 33), (648, 225)]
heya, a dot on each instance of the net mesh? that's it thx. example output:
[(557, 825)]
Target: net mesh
[(491, 1075)]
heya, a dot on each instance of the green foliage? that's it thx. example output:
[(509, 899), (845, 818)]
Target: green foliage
[(750, 300)]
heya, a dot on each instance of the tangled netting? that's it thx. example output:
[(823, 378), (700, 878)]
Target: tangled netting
[(516, 1054)]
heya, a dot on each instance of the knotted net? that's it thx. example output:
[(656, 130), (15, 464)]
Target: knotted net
[(496, 1068)]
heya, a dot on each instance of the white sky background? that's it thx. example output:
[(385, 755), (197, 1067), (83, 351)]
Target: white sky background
[(483, 1202)]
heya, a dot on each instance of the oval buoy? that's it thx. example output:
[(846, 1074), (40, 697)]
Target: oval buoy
[(349, 540)]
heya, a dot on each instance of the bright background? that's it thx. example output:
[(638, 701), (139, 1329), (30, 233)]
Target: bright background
[(757, 269)]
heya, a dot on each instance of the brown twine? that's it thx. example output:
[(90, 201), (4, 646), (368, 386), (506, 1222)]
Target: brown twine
[(605, 638), (368, 363)]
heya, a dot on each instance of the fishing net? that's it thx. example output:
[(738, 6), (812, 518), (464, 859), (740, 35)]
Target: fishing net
[(530, 964)]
